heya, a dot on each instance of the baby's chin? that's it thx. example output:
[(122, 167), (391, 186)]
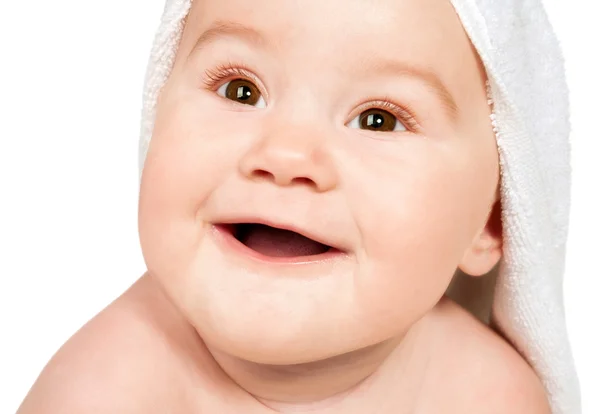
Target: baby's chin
[(272, 339), (270, 328), (270, 349), (281, 322)]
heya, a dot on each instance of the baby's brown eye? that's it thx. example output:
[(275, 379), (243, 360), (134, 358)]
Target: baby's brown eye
[(378, 120), (242, 91)]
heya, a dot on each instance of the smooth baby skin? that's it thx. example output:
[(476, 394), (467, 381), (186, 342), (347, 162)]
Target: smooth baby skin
[(141, 356), (363, 125)]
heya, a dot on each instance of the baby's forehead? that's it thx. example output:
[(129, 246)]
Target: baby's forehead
[(351, 38), (409, 28)]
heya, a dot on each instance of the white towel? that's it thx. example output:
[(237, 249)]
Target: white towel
[(526, 73)]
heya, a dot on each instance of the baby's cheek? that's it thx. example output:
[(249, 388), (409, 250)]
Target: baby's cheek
[(412, 214), (413, 226), (166, 214), (165, 227), (189, 156)]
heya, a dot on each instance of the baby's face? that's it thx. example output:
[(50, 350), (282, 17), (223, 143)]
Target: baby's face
[(362, 125)]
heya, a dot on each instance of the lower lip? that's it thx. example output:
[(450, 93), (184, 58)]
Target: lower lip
[(225, 236)]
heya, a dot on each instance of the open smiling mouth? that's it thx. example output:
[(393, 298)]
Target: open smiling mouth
[(272, 242)]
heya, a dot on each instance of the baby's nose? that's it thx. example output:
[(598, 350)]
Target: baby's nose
[(290, 159)]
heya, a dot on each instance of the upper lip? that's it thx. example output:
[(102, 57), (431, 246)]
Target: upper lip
[(315, 235)]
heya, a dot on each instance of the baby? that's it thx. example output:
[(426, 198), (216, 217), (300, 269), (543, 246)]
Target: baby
[(317, 174)]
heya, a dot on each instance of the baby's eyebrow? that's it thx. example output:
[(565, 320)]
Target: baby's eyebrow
[(369, 66), (225, 28), (428, 77)]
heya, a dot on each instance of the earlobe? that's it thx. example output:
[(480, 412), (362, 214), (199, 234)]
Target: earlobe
[(486, 249)]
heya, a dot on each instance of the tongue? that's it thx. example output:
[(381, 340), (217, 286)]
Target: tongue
[(279, 243)]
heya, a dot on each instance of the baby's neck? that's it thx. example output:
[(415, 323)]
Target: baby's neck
[(319, 384)]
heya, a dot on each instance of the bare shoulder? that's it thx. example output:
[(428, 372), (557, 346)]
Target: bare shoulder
[(498, 378), (117, 362)]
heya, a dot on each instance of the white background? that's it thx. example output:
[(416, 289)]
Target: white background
[(71, 76)]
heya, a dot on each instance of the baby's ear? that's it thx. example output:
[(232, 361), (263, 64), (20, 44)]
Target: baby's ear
[(486, 249)]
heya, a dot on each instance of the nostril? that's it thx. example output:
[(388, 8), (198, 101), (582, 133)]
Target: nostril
[(263, 174), (303, 180), (282, 179)]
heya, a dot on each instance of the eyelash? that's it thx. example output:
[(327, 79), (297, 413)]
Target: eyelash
[(214, 77), (403, 114)]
